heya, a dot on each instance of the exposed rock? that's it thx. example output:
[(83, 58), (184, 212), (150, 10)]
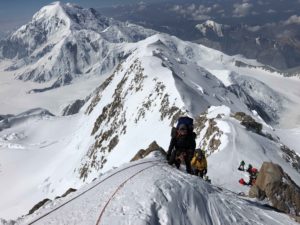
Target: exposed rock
[(275, 185), (248, 122), (100, 89), (211, 139), (7, 222), (144, 152), (38, 205), (69, 191), (199, 123), (9, 120), (73, 108), (291, 157)]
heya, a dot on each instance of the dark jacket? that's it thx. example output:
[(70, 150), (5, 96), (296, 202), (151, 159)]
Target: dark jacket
[(183, 144)]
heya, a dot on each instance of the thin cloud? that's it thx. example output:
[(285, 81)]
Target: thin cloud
[(193, 11), (241, 10), (253, 28), (294, 19), (271, 11)]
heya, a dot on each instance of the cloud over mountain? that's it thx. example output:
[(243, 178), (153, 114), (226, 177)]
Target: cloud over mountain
[(241, 10)]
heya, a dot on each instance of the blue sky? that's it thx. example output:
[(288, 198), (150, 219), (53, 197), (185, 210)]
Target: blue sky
[(16, 12)]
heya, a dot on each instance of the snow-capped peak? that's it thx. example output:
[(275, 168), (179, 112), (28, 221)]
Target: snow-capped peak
[(212, 25), (64, 41), (53, 9)]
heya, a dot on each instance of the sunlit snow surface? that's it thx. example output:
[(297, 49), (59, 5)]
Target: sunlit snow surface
[(40, 154), (156, 194), (52, 148)]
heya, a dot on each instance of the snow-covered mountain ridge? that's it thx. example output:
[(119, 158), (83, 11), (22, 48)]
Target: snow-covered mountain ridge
[(210, 25), (158, 79), (154, 193), (65, 41)]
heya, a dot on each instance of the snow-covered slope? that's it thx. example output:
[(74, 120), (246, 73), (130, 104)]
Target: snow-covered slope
[(145, 89), (161, 79), (65, 41), (151, 192)]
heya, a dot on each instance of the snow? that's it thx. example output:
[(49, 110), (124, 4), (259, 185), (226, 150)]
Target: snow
[(155, 194), (54, 100), (41, 156), (214, 111), (290, 137), (251, 148), (222, 75), (287, 87), (216, 27), (257, 40), (60, 144)]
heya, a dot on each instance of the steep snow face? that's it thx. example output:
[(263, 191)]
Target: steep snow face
[(65, 42), (154, 193), (210, 25)]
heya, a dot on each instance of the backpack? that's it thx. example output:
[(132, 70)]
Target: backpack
[(185, 120), (201, 154)]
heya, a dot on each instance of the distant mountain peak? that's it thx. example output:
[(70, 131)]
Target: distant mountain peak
[(210, 25), (65, 41)]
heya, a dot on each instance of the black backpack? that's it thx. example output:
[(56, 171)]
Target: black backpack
[(185, 120)]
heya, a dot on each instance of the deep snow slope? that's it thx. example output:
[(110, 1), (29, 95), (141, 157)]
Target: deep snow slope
[(149, 191)]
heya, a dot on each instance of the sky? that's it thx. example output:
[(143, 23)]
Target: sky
[(18, 12)]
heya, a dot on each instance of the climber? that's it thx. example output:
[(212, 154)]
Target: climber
[(253, 173), (242, 166), (183, 144), (199, 163), (249, 168)]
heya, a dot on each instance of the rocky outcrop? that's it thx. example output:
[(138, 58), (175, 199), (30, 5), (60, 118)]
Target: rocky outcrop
[(46, 201), (39, 205), (144, 152), (7, 222), (275, 185), (248, 122), (211, 139), (291, 157), (73, 108), (69, 191)]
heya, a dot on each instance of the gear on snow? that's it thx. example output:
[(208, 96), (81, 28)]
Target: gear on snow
[(242, 166), (253, 173)]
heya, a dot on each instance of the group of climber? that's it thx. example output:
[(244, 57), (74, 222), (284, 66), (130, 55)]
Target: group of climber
[(183, 148), (253, 173)]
